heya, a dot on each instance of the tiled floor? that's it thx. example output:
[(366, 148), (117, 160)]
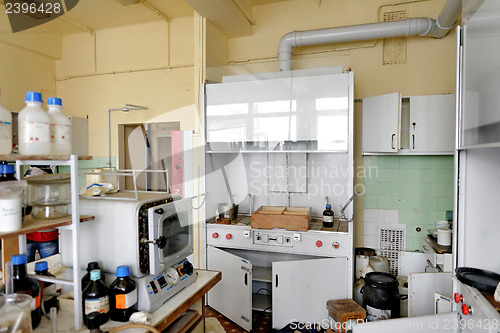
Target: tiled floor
[(262, 322)]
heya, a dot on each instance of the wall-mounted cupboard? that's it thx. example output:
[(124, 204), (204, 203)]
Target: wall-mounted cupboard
[(419, 125)]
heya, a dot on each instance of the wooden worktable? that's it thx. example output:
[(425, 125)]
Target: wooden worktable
[(162, 318)]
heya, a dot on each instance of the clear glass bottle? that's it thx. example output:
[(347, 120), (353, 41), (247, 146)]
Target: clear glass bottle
[(49, 290), (328, 217), (33, 126), (122, 295), (60, 128), (95, 297)]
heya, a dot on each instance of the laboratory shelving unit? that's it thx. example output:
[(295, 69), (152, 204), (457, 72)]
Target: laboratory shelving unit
[(72, 222)]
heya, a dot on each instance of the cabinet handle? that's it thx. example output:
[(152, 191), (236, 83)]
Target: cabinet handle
[(246, 279), (413, 140), (276, 280), (392, 141)]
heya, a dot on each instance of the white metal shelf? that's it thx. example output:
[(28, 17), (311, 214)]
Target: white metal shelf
[(264, 274), (72, 162)]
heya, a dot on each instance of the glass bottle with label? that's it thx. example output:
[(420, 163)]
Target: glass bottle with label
[(328, 217), (23, 284), (122, 295), (95, 297), (60, 128), (33, 126), (49, 290)]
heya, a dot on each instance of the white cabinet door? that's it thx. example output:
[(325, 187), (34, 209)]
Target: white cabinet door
[(302, 288), (232, 296), (421, 289), (381, 123), (432, 123)]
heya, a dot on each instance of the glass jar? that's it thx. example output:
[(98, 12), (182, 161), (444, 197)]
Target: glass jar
[(49, 195)]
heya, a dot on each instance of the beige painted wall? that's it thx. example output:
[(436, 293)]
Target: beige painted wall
[(27, 63), (147, 64)]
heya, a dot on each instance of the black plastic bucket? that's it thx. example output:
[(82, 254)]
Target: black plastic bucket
[(381, 296)]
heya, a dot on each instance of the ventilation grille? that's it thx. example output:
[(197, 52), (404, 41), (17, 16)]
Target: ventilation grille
[(394, 48), (391, 240)]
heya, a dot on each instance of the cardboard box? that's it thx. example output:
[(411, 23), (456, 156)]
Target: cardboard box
[(290, 218), (341, 311)]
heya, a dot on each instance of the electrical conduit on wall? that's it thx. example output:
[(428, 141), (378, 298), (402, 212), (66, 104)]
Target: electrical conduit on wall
[(422, 26)]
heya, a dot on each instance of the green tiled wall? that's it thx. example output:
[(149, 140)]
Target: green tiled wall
[(419, 187)]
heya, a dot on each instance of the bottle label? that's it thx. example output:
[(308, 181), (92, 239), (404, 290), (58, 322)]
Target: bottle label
[(100, 305), (60, 133), (327, 218), (35, 303), (5, 130), (125, 301), (10, 214), (34, 132)]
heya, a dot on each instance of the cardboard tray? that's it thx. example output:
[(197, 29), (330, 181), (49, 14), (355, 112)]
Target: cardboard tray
[(290, 218)]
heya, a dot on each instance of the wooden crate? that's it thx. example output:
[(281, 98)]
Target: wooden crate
[(344, 310), (290, 218)]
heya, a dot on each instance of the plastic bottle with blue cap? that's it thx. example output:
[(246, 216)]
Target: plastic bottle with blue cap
[(5, 131), (33, 127), (60, 128), (122, 295)]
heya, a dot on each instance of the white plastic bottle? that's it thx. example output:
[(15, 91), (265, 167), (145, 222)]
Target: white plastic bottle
[(60, 128), (5, 131), (33, 126)]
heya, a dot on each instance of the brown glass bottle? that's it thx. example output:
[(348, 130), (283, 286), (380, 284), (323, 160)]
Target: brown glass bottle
[(328, 217), (49, 290), (23, 284), (86, 278), (95, 297), (122, 295)]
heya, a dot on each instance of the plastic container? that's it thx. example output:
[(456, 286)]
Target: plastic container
[(380, 264), (95, 297), (23, 284), (381, 296), (49, 290), (49, 195), (33, 127), (86, 278), (444, 237), (11, 205), (60, 128), (328, 217), (122, 295), (7, 172), (5, 131)]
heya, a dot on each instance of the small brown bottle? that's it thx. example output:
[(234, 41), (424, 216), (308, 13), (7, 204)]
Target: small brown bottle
[(328, 217)]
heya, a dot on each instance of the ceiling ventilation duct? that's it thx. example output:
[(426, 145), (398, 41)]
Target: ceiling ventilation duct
[(422, 26)]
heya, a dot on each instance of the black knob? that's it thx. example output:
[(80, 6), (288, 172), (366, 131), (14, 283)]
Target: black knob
[(187, 268), (159, 211), (161, 242)]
